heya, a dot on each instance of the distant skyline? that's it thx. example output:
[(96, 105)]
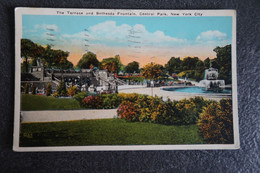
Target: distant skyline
[(154, 39)]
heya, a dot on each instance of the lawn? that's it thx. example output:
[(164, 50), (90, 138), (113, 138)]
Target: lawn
[(106, 132), (36, 102)]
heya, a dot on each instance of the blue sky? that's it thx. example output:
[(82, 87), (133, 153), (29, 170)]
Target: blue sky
[(159, 37)]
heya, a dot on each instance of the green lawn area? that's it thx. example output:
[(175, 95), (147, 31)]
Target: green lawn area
[(36, 102), (106, 132)]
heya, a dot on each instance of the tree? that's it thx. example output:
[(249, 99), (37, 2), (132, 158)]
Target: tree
[(223, 61), (48, 89), (61, 89), (132, 67), (216, 122), (26, 88), (206, 63), (113, 65), (152, 71), (189, 63), (87, 60), (56, 58), (73, 90), (199, 70), (30, 50), (174, 65)]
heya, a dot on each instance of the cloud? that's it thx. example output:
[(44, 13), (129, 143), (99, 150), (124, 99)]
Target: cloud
[(47, 27), (109, 33), (211, 35)]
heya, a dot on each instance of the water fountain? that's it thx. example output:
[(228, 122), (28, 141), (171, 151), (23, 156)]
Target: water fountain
[(211, 82)]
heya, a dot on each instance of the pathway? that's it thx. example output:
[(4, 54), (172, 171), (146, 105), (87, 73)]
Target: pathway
[(67, 115)]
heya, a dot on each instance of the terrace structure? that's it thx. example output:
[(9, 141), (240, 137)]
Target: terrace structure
[(92, 80)]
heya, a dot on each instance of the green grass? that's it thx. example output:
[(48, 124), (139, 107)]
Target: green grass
[(105, 132), (35, 102)]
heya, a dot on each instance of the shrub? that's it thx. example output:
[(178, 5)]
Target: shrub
[(26, 88), (111, 101), (73, 90), (186, 112), (48, 89), (80, 96), (93, 102), (128, 111), (61, 89), (199, 102), (216, 122), (148, 107), (167, 113), (129, 97)]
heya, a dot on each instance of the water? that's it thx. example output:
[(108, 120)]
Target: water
[(196, 90)]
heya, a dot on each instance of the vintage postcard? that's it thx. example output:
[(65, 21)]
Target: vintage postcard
[(98, 79)]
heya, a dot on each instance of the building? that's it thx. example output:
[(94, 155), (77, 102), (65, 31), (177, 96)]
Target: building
[(92, 80)]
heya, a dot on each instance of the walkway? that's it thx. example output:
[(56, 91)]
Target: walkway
[(64, 115)]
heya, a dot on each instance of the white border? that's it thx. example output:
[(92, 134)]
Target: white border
[(53, 11)]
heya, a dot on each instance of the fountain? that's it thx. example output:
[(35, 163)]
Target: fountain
[(211, 82)]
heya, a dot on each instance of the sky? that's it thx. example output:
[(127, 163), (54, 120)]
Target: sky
[(141, 39)]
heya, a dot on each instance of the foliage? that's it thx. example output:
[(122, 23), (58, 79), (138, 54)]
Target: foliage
[(152, 71), (206, 63), (52, 58), (166, 113), (26, 88), (174, 65), (186, 112), (92, 102), (80, 96), (112, 65), (73, 90), (36, 102), (149, 108), (153, 109), (61, 89), (223, 62), (56, 58), (105, 132), (189, 63), (88, 60), (132, 97), (128, 111), (48, 89), (132, 67), (110, 101), (216, 122), (30, 49)]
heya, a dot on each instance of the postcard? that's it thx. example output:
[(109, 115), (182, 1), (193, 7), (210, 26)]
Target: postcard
[(112, 79)]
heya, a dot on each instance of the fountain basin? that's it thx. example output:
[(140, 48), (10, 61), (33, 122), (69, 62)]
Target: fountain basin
[(197, 90)]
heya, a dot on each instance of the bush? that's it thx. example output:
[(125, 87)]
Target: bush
[(128, 111), (216, 122), (48, 89), (186, 112), (93, 102), (167, 113), (80, 96), (61, 89), (73, 90), (148, 107), (129, 97), (111, 101)]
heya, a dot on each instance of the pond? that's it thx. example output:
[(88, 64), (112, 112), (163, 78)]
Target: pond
[(198, 90)]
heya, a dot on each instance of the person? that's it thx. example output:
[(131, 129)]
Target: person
[(152, 83)]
